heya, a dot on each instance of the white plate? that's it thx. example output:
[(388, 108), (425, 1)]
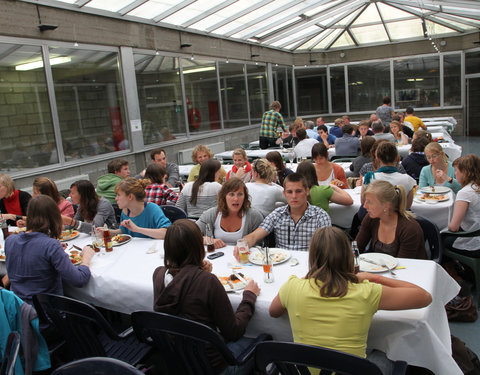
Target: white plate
[(75, 251), (278, 255), (70, 236), (431, 200), (231, 286), (114, 243), (376, 257), (438, 189)]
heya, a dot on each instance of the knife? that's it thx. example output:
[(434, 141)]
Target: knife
[(239, 277), (371, 261)]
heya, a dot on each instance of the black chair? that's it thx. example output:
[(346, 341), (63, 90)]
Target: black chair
[(118, 212), (184, 343), (97, 366), (293, 359), (86, 332), (433, 239), (11, 354), (173, 213), (342, 159)]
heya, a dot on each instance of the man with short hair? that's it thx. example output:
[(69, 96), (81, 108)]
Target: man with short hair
[(346, 120), (363, 129), (327, 139), (378, 130), (295, 223), (414, 120), (117, 170), (309, 125), (348, 145), (304, 147), (336, 129), (291, 140), (320, 122), (271, 120), (159, 156)]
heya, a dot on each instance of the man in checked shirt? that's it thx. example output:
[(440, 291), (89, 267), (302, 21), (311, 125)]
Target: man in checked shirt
[(270, 122), (295, 223)]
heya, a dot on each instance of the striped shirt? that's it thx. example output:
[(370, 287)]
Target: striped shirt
[(270, 122)]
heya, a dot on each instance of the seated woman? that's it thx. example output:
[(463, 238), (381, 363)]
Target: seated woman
[(373, 165), (92, 210), (264, 193), (45, 186), (440, 172), (233, 218), (396, 130), (466, 214), (36, 262), (322, 195), (327, 172), (390, 228), (276, 160), (331, 306), (197, 197), (199, 154), (13, 202), (366, 144), (157, 192), (139, 218), (415, 161), (241, 167), (186, 287)]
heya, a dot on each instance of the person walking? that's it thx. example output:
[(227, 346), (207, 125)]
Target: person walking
[(271, 120)]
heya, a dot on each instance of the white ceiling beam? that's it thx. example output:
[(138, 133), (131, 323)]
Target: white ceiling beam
[(133, 5), (81, 3), (172, 10)]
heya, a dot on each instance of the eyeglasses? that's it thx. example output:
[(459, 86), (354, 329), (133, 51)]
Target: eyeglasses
[(432, 156)]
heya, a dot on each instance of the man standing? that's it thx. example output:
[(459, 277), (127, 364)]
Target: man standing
[(270, 122), (295, 223), (159, 156), (117, 170)]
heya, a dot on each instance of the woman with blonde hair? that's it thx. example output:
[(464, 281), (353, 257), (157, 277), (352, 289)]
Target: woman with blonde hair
[(139, 218), (233, 218), (241, 167), (264, 193), (388, 225), (13, 202), (440, 172), (396, 130), (199, 154), (347, 301)]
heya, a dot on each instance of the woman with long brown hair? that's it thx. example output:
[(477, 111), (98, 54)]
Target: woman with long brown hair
[(276, 160), (46, 186), (327, 172)]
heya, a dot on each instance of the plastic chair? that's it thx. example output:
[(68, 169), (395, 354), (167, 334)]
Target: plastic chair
[(183, 342), (473, 263), (293, 359), (433, 239), (342, 159), (86, 332), (11, 354), (173, 213), (97, 366)]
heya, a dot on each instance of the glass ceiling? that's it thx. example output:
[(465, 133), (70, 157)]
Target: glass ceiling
[(297, 25)]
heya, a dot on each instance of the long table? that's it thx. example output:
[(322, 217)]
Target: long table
[(122, 281)]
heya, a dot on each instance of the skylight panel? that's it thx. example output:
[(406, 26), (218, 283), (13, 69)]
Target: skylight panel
[(459, 25), (391, 14), (405, 29), (108, 5), (344, 41), (314, 41), (325, 42), (462, 11), (369, 15), (321, 8), (437, 29), (369, 34), (279, 27), (295, 36), (191, 11), (152, 8)]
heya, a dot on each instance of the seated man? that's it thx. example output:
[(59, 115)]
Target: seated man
[(159, 156), (379, 132), (414, 120), (309, 125), (295, 223), (336, 129), (327, 139), (363, 129), (117, 171), (290, 140), (304, 148), (348, 145)]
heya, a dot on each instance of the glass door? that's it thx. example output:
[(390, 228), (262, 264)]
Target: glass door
[(473, 107)]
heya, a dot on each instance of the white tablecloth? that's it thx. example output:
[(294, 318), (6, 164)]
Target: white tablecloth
[(122, 281)]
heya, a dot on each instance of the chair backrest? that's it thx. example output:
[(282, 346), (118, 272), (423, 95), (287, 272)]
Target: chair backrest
[(97, 366), (342, 159), (433, 240), (11, 354), (173, 213), (183, 343), (79, 322), (293, 359)]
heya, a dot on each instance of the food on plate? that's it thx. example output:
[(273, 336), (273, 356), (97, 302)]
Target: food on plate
[(18, 230), (68, 235), (2, 255), (75, 257), (435, 197), (277, 256), (231, 282), (120, 238)]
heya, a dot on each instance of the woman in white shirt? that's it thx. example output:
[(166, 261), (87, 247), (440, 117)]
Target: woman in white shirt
[(466, 214), (265, 194)]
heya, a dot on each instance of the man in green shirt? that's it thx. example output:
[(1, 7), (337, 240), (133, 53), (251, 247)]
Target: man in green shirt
[(270, 122)]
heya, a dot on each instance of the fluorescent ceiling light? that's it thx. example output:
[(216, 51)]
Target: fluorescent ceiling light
[(198, 70), (39, 64), (415, 79)]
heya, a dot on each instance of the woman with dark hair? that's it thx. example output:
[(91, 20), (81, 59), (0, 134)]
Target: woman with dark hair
[(157, 192), (366, 144), (36, 261), (185, 286), (327, 172), (197, 197), (276, 160), (139, 218), (415, 161), (13, 202), (92, 209), (347, 301), (322, 195), (45, 186), (233, 218)]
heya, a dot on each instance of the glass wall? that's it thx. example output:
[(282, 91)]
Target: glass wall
[(201, 90), (472, 62), (417, 82), (27, 139), (368, 84), (234, 95), (257, 92), (282, 86), (89, 97), (312, 93), (337, 86), (452, 79), (160, 98)]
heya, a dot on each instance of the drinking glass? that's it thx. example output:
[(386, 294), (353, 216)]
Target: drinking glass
[(267, 269), (291, 157), (209, 239), (243, 250)]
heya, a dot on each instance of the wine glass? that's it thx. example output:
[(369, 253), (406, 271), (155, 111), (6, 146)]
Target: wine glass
[(291, 157)]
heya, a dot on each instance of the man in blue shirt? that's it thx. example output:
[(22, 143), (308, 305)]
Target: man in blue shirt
[(327, 139), (336, 130)]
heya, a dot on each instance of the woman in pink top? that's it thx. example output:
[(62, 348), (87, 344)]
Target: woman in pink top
[(46, 186)]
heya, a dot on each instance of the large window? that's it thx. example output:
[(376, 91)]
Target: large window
[(368, 84), (312, 96), (234, 95), (257, 91), (417, 82), (452, 80), (160, 98), (90, 104), (282, 88), (472, 62), (27, 139), (337, 84)]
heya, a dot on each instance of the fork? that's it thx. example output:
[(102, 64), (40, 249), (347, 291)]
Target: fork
[(384, 264)]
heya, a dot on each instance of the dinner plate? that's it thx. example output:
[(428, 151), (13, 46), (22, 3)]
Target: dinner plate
[(278, 255), (435, 198), (68, 235), (2, 256), (437, 189), (376, 257), (231, 285), (74, 256), (119, 240)]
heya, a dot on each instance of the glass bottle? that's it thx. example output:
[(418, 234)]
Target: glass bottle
[(355, 256)]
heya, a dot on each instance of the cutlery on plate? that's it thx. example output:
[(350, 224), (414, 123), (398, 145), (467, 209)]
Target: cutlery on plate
[(384, 264), (239, 277), (371, 261), (77, 247)]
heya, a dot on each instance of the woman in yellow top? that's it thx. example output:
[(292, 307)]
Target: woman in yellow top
[(199, 154), (332, 306)]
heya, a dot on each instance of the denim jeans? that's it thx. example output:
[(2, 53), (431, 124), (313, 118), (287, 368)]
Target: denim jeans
[(238, 347)]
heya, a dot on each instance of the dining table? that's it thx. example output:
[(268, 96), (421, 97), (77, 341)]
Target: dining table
[(122, 281)]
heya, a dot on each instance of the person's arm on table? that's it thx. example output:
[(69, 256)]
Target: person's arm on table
[(340, 196), (157, 233), (252, 239)]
